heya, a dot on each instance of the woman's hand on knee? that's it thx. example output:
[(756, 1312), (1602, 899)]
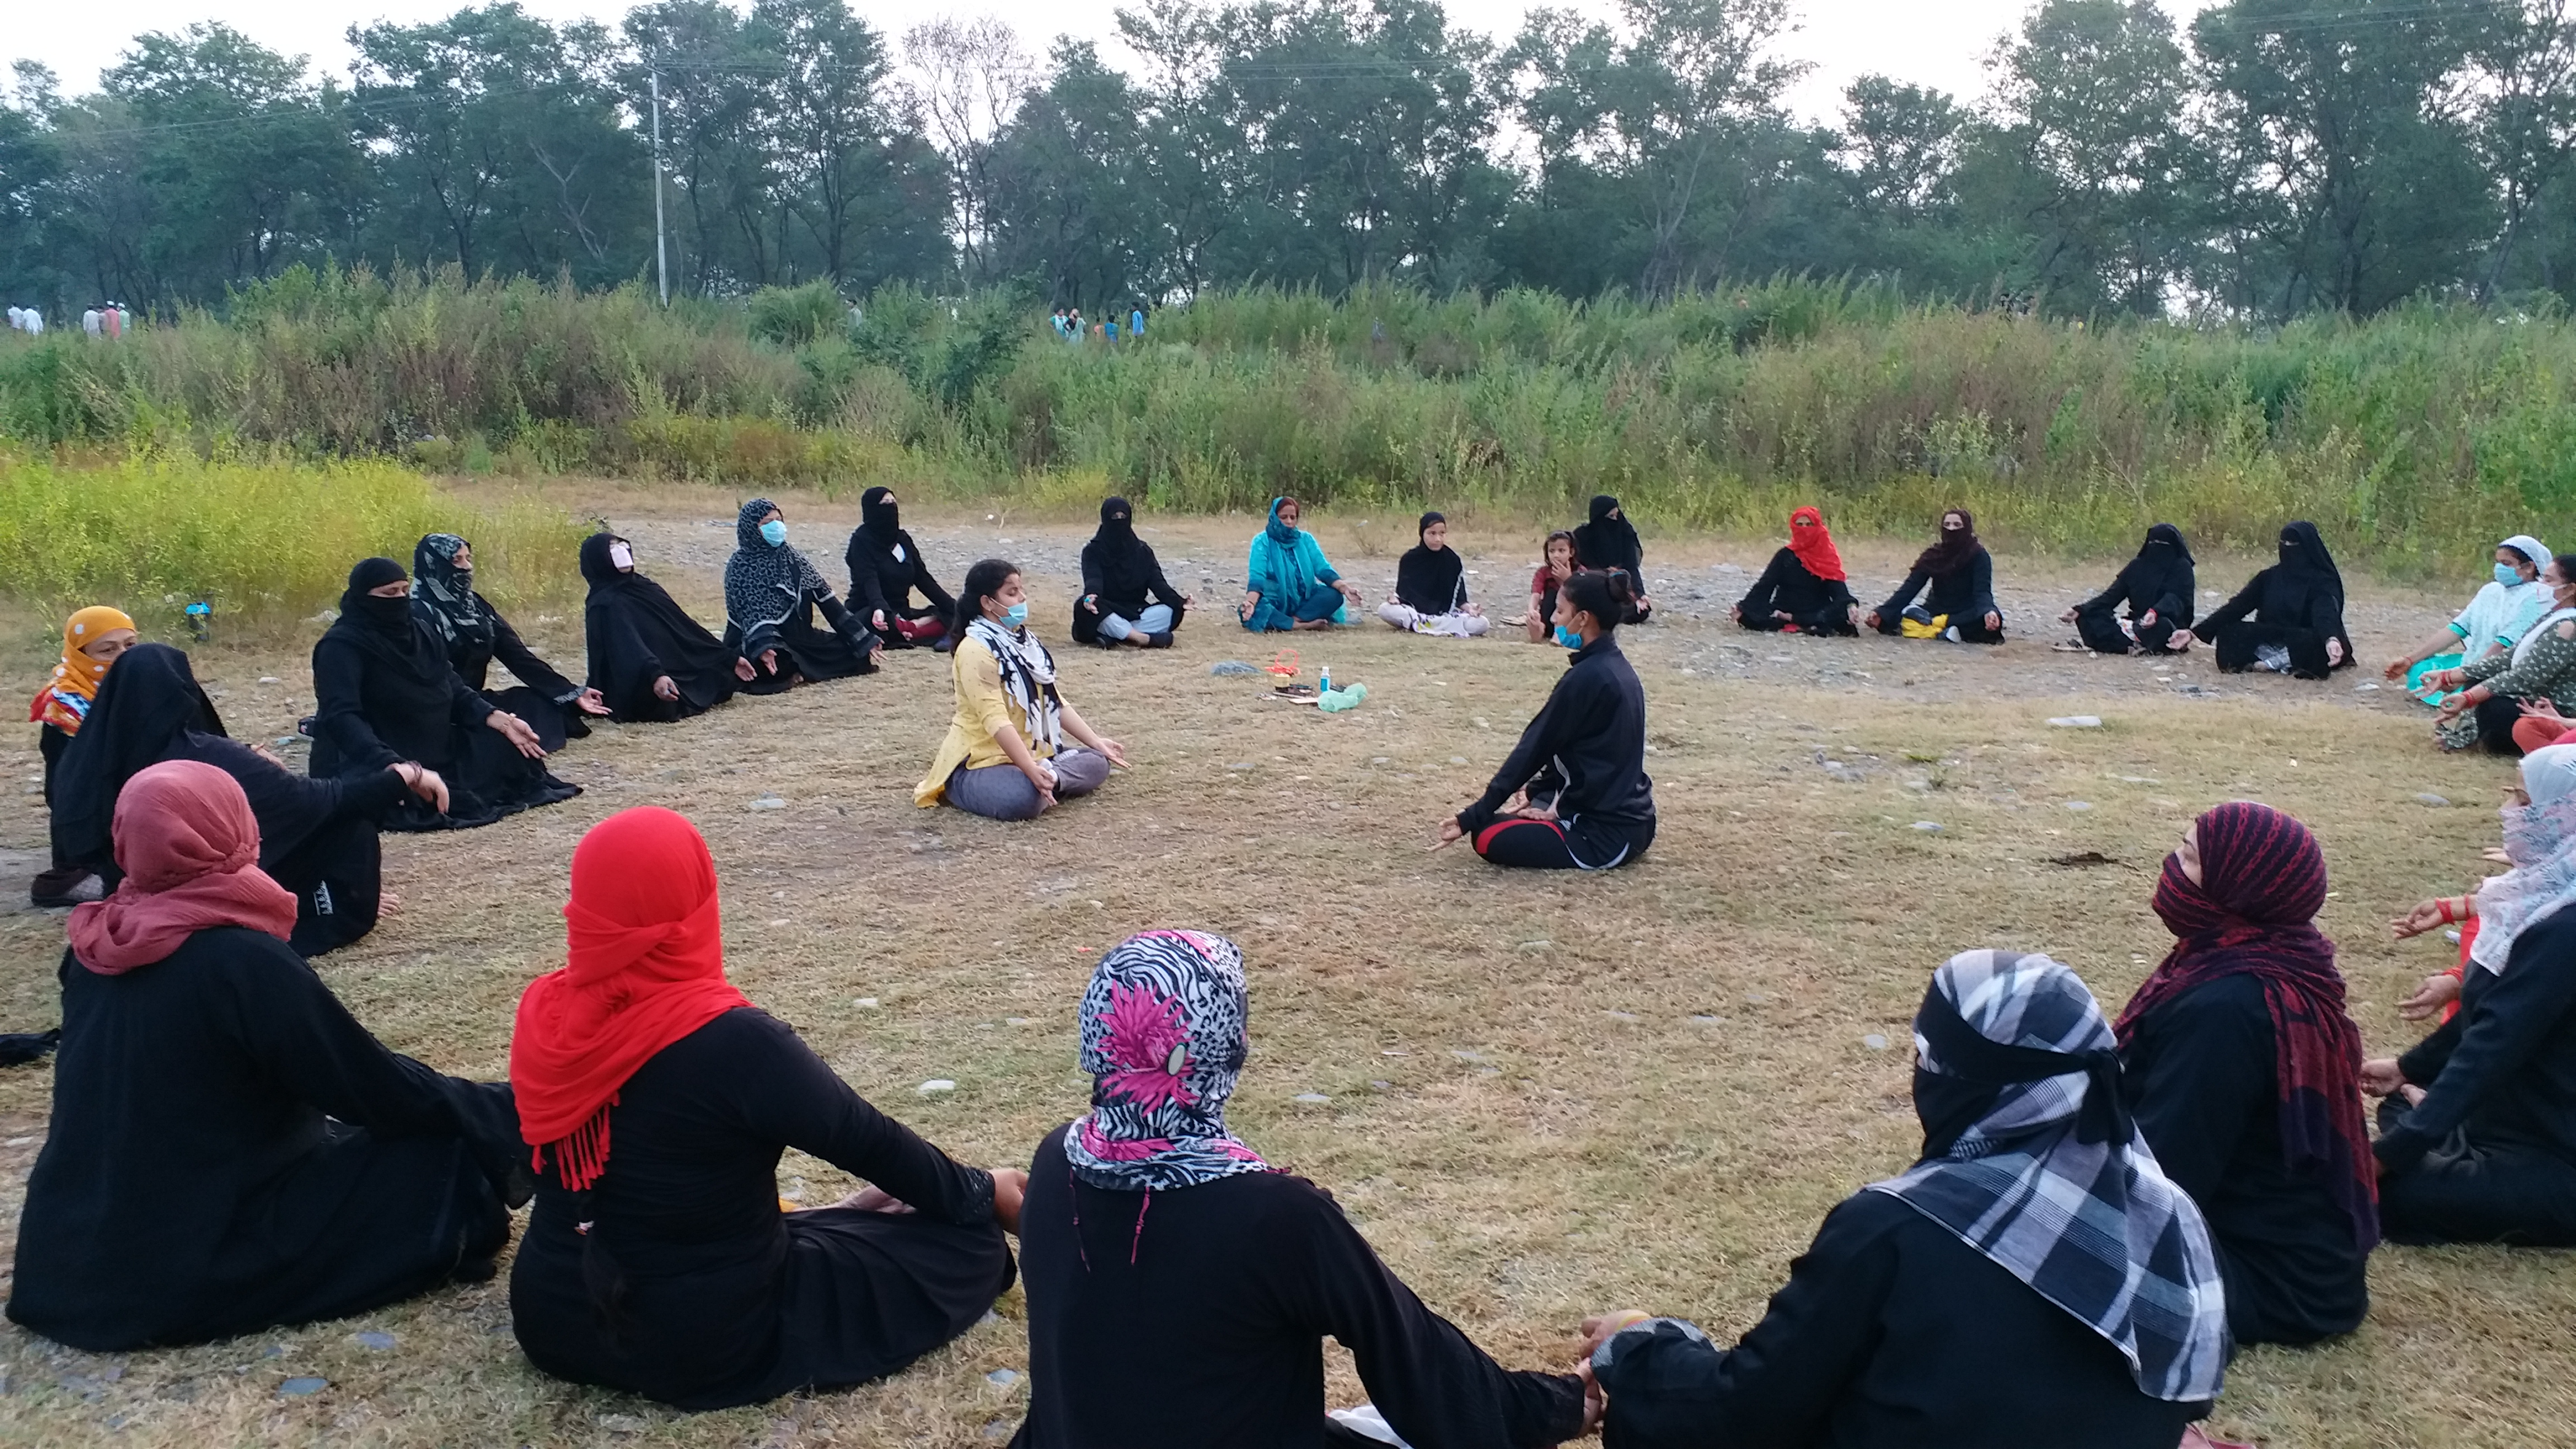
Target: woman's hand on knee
[(1451, 832), (1010, 1188)]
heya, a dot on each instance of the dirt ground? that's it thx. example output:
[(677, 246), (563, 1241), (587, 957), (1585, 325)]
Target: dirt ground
[(1540, 1097)]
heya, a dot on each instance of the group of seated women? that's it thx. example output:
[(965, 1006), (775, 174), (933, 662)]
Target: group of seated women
[(1288, 584), (2113, 1208)]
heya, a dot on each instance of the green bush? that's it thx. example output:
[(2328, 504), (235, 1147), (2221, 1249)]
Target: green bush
[(259, 540)]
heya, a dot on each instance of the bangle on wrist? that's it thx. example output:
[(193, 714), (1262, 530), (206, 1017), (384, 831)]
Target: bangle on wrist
[(2443, 904)]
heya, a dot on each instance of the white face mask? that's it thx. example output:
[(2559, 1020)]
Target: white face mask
[(621, 555)]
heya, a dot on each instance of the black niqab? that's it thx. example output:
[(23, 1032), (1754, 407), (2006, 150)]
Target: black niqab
[(411, 686), (880, 516), (150, 696), (2163, 569), (2305, 579), (1956, 548), (637, 633), (1609, 541), (1124, 564), (1431, 581)]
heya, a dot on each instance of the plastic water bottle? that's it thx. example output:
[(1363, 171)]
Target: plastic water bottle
[(1324, 680)]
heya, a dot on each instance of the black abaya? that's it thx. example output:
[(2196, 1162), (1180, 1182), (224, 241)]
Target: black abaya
[(317, 838), (1195, 1317), (2296, 605), (2160, 580), (1815, 605), (230, 1151), (384, 692), (886, 569), (637, 634), (2198, 1074), (1609, 541), (1120, 575), (474, 634), (718, 1297)]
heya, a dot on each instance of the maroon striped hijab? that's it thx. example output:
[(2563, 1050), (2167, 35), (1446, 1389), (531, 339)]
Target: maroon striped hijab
[(2262, 881)]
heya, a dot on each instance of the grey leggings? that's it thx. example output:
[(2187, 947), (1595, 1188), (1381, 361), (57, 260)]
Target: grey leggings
[(1001, 792)]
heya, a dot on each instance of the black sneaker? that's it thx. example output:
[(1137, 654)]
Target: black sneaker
[(1159, 641)]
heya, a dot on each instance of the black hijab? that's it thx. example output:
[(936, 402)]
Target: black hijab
[(1609, 541), (2304, 590), (1431, 581), (1954, 550), (627, 612), (1123, 562), (147, 699), (409, 685), (880, 518), (2163, 569)]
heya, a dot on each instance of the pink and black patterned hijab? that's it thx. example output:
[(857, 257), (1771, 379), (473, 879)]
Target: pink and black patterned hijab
[(1163, 1037)]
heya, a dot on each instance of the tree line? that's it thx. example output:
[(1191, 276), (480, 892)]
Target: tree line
[(2273, 158)]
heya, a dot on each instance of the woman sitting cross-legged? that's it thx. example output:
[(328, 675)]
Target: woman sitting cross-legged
[(2288, 618), (1125, 598), (2034, 1280), (2498, 616), (475, 634), (1609, 541), (92, 640), (1180, 1288), (1961, 576), (1287, 583), (1574, 794), (384, 693), (658, 1260), (886, 569), (2157, 588), (230, 1150), (2477, 1140), (1005, 755), (2244, 1074), (317, 837), (1431, 587), (2512, 701), (771, 597), (1804, 590), (649, 659)]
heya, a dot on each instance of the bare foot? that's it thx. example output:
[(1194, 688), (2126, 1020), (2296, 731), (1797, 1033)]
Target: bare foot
[(388, 903)]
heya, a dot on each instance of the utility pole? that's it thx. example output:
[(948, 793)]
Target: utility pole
[(661, 248)]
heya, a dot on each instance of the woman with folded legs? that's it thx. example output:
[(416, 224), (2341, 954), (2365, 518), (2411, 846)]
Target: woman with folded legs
[(649, 659), (475, 634), (1431, 587), (886, 569), (1804, 590), (2034, 1279), (2243, 1071), (1609, 541), (92, 640), (2288, 618), (771, 597), (1180, 1288), (1574, 794), (1961, 576), (2514, 700), (317, 837), (2477, 1137), (230, 1150), (1125, 598), (658, 1260), (384, 693), (2158, 590), (1005, 756), (2498, 615), (1287, 581)]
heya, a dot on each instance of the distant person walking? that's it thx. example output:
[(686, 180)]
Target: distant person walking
[(1136, 323), (90, 322)]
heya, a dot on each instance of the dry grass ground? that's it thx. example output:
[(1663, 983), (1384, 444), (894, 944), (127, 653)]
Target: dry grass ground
[(1545, 1095)]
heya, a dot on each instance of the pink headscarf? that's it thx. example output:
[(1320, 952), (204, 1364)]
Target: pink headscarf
[(189, 847)]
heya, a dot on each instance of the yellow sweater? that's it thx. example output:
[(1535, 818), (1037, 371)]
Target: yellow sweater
[(982, 710)]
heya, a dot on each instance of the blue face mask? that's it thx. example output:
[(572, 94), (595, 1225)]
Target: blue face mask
[(1015, 616), (1568, 637), (2508, 575), (775, 531)]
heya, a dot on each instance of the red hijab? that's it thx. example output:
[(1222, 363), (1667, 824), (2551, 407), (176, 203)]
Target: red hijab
[(643, 967), (189, 847), (2262, 882), (1814, 546)]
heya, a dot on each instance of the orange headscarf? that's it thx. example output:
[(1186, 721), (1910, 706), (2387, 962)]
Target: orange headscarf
[(1815, 546), (643, 967), (64, 701)]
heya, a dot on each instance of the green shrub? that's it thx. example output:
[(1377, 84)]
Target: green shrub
[(266, 541)]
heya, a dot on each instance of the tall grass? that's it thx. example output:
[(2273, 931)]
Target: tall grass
[(2414, 438), (261, 541)]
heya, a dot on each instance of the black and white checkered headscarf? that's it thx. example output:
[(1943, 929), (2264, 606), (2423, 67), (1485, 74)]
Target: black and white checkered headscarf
[(2051, 1181)]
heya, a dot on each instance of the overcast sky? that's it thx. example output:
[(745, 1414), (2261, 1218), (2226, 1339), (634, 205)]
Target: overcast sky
[(1939, 43)]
